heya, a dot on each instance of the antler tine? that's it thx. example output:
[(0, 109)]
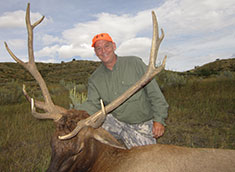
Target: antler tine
[(41, 105), (156, 41), (14, 57), (48, 105), (38, 22), (95, 120), (102, 107), (56, 117), (30, 33)]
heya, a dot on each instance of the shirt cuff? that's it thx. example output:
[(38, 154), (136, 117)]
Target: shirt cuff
[(160, 120)]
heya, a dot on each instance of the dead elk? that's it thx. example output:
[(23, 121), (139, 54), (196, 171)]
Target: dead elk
[(80, 144), (95, 150)]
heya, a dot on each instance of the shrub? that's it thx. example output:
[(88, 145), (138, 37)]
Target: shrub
[(11, 93), (226, 75), (171, 79), (77, 96), (77, 92), (206, 72)]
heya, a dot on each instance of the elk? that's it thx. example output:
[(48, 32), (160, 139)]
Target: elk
[(80, 144)]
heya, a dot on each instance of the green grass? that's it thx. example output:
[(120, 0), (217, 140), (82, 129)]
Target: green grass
[(24, 143), (24, 140), (201, 114)]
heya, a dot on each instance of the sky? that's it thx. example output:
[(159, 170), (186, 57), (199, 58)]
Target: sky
[(196, 31)]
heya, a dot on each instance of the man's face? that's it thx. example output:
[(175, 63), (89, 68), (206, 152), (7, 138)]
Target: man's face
[(105, 51)]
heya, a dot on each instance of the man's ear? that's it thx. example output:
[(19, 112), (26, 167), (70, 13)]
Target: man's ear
[(95, 52), (114, 46)]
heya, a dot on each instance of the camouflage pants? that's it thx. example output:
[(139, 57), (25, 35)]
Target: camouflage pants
[(130, 134)]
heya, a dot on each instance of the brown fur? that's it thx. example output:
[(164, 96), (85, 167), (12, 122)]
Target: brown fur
[(86, 153)]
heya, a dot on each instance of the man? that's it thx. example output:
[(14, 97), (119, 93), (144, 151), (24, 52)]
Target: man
[(140, 119)]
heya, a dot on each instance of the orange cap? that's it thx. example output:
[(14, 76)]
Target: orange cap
[(101, 36)]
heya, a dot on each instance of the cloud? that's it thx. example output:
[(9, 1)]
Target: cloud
[(12, 19), (16, 19), (77, 41), (48, 51), (68, 51), (17, 43), (192, 17), (50, 39), (197, 31), (136, 46)]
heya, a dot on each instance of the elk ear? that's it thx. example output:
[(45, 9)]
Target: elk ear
[(105, 137)]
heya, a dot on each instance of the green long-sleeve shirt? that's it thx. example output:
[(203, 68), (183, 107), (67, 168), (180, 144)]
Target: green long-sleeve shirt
[(148, 103)]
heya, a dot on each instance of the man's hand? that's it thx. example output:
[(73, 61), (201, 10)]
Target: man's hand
[(158, 129)]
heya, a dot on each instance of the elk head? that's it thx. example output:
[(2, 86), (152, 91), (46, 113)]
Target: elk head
[(73, 143), (77, 153)]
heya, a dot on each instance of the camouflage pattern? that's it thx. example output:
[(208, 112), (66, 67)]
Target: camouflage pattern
[(130, 134)]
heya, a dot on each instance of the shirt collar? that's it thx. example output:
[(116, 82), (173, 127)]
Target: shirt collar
[(115, 67)]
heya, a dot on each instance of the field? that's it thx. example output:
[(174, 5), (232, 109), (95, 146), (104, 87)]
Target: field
[(201, 113)]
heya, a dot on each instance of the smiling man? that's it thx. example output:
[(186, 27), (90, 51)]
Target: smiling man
[(140, 119)]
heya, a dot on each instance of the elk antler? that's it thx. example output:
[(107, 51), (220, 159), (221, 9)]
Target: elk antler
[(96, 119), (48, 106)]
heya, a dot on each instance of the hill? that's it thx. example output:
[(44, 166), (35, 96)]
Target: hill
[(215, 67), (219, 65), (76, 71)]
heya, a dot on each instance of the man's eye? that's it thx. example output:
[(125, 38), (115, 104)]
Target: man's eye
[(107, 46)]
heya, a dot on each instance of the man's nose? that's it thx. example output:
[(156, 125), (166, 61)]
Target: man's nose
[(103, 49)]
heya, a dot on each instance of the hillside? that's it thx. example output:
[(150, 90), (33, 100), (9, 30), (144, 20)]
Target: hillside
[(77, 71), (219, 65), (215, 67)]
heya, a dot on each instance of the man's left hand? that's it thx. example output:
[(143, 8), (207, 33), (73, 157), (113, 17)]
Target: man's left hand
[(158, 129)]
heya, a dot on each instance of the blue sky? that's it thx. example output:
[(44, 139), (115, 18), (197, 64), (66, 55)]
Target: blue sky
[(196, 32)]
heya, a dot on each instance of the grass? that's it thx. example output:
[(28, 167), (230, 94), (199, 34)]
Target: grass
[(201, 114), (24, 143), (24, 140)]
